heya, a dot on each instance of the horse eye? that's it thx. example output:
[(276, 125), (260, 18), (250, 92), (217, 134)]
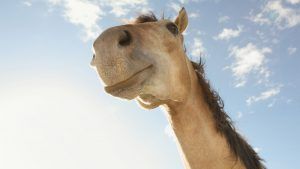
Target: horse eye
[(172, 28)]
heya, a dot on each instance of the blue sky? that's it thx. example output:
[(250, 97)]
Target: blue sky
[(55, 114)]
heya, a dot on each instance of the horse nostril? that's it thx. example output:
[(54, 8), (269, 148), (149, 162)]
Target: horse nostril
[(125, 38)]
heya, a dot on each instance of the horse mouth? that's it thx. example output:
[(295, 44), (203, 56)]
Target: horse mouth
[(130, 87)]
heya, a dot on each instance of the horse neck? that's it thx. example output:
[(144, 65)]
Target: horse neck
[(202, 146)]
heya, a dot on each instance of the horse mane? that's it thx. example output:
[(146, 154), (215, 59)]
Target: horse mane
[(149, 17), (238, 146)]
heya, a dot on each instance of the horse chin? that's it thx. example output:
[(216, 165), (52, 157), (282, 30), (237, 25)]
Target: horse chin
[(148, 101), (132, 87), (125, 93)]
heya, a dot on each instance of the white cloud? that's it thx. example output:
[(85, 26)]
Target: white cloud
[(55, 2), (227, 33), (272, 103), (123, 7), (274, 12), (264, 95), (239, 115), (223, 19), (87, 14), (262, 36), (291, 50), (27, 3), (260, 19), (183, 1), (248, 59), (293, 1), (197, 48), (288, 101), (119, 11), (257, 149), (84, 14), (199, 32), (240, 83), (175, 6), (193, 15)]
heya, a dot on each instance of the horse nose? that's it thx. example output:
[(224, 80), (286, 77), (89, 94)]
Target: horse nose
[(112, 42), (125, 38)]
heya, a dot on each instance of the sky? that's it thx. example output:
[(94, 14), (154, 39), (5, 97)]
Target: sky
[(54, 112)]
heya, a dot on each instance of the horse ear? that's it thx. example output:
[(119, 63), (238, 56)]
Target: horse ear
[(182, 20)]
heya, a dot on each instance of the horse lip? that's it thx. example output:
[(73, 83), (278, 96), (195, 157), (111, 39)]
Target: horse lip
[(129, 81)]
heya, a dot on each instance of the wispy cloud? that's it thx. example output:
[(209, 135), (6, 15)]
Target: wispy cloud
[(264, 95), (272, 103), (239, 115), (175, 6), (183, 1), (122, 7), (275, 12), (223, 19), (293, 1), (227, 33), (194, 15), (87, 14), (291, 50), (197, 48), (257, 149), (288, 101), (248, 59), (27, 3), (84, 14)]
